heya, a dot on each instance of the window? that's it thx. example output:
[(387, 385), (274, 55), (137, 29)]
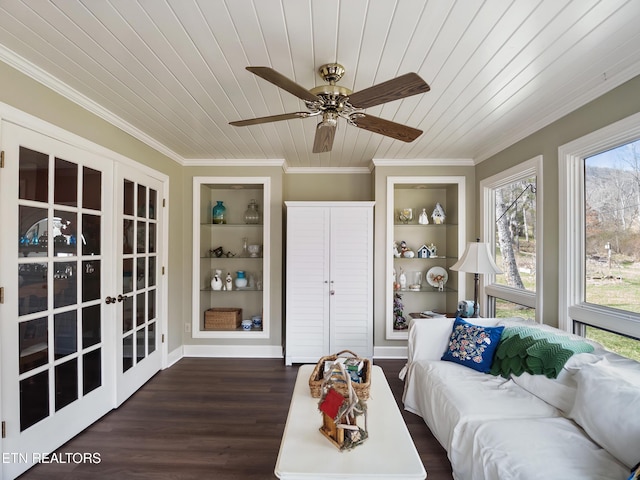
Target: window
[(511, 205), (599, 235)]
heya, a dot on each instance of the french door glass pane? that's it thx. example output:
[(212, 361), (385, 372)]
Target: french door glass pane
[(142, 201), (127, 275), (32, 228), (140, 345), (64, 233), (140, 309), (127, 236), (33, 176), (32, 288), (151, 338), (141, 236), (90, 234), (65, 334), (152, 272), (153, 200), (66, 375), (152, 237), (127, 352), (91, 326), (65, 286), (140, 273), (152, 305), (91, 370), (127, 314), (128, 197), (90, 280), (33, 344), (91, 189), (65, 190), (34, 399)]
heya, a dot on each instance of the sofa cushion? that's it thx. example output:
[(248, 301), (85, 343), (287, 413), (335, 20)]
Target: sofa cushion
[(533, 449), (472, 345), (447, 396), (607, 405)]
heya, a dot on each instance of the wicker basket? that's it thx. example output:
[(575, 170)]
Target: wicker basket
[(222, 318), (362, 389)]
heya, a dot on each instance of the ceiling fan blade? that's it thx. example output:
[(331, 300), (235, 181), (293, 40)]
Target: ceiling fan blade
[(324, 137), (386, 127), (400, 87), (279, 80), (270, 118)]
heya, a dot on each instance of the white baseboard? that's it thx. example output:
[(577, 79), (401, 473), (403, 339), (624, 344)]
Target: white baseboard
[(175, 356), (390, 352), (233, 351)]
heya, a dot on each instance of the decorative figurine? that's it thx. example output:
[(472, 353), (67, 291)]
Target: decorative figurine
[(433, 250), (396, 252), (229, 282), (438, 214), (405, 251), (402, 280), (424, 252), (216, 281), (423, 218)]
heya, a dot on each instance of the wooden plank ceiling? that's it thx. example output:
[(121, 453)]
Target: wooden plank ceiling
[(172, 72)]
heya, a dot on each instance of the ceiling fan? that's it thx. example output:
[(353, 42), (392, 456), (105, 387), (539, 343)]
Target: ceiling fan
[(332, 101)]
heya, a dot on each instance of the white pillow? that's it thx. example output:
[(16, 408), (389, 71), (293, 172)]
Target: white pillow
[(607, 407), (428, 338)]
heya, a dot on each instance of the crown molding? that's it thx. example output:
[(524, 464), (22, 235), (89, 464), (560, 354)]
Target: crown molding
[(233, 162), (331, 170), (422, 162), (39, 75)]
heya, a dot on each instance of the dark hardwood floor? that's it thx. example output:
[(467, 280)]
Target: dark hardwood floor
[(207, 418)]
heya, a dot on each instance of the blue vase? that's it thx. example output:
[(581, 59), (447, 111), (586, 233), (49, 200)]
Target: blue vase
[(219, 213)]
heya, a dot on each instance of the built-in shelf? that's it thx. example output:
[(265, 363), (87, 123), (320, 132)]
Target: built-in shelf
[(448, 237), (235, 193)]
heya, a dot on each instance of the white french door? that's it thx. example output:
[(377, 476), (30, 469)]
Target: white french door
[(80, 266), (57, 335), (139, 224)]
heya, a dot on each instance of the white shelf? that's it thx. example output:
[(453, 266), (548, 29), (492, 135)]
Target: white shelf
[(235, 193), (449, 239)]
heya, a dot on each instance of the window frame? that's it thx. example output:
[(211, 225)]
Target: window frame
[(488, 186), (572, 306)]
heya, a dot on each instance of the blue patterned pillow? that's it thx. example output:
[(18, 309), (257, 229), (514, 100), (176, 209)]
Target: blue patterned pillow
[(472, 345)]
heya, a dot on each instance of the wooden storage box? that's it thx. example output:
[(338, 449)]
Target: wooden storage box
[(222, 318)]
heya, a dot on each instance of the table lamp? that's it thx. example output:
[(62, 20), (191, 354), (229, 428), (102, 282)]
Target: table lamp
[(476, 259)]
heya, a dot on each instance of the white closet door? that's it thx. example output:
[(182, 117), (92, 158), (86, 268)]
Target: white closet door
[(351, 280), (307, 303)]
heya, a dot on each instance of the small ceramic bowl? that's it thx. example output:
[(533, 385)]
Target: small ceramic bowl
[(247, 324)]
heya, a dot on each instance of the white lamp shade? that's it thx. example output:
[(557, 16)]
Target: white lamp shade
[(476, 259)]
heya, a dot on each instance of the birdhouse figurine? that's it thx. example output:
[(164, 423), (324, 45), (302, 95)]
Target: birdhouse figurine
[(438, 215), (423, 252), (433, 250)]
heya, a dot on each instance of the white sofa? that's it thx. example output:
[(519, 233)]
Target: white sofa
[(584, 424)]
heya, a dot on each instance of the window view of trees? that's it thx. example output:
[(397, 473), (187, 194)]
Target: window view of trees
[(612, 228), (516, 234)]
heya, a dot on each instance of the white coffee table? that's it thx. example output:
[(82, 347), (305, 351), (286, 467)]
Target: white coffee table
[(388, 453)]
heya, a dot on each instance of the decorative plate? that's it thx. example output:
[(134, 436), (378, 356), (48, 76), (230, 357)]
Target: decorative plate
[(435, 275)]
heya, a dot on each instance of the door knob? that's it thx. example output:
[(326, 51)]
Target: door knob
[(109, 300), (332, 292), (122, 297)]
